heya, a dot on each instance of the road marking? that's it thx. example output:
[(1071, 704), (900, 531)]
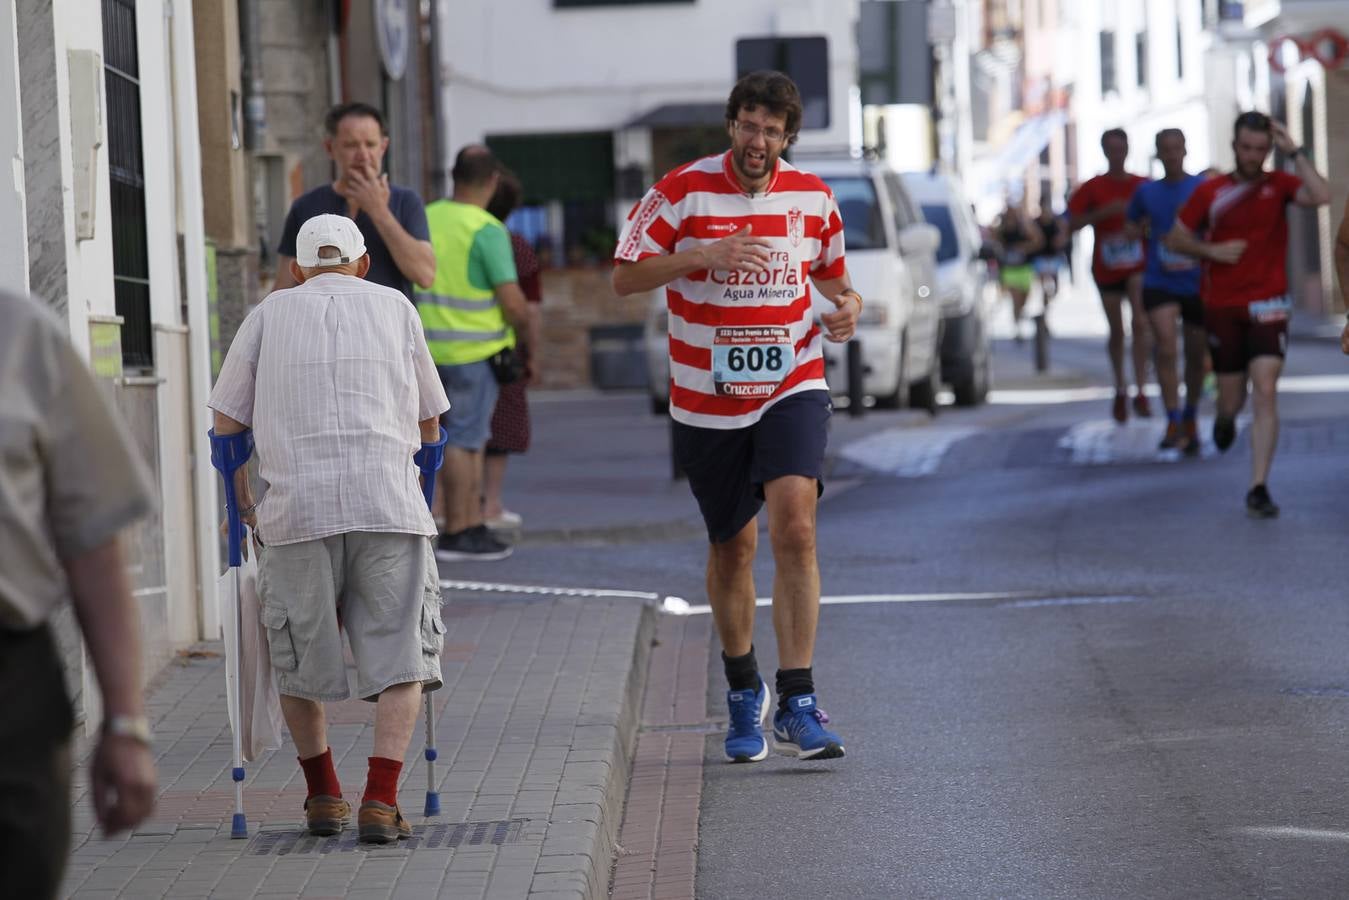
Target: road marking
[(678, 606), (1314, 834), (906, 452), (1013, 600), (485, 587)]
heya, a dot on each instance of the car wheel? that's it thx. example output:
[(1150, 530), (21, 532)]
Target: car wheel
[(899, 397), (973, 389)]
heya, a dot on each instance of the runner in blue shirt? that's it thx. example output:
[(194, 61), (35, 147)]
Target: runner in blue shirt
[(1171, 287)]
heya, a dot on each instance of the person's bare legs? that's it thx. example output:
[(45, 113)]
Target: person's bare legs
[(395, 718), (307, 725), (1112, 302), (1264, 372), (1163, 320), (1231, 394), (792, 501), (461, 485), (1019, 299), (1196, 355), (493, 478), (730, 588), (1142, 332)]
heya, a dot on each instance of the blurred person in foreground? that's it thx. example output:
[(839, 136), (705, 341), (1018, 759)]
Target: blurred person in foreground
[(1051, 257), (1238, 225), (471, 313), (510, 420), (391, 218), (334, 378), (1117, 266), (1171, 291), (70, 481)]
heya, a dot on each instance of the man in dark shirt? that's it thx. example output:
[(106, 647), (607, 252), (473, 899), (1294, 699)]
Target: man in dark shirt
[(391, 218)]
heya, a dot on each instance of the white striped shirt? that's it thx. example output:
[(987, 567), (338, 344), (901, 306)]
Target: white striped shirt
[(333, 376), (740, 342)]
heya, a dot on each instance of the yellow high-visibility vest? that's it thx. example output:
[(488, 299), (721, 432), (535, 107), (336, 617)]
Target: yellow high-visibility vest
[(463, 323)]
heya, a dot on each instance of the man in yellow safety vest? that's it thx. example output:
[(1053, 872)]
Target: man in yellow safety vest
[(469, 314)]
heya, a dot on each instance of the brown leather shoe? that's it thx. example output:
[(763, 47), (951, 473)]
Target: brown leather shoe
[(380, 823), (325, 814)]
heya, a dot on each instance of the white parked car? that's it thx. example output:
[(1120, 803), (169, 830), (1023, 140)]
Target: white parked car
[(966, 307), (891, 255)]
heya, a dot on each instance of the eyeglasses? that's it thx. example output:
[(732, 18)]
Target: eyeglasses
[(749, 131)]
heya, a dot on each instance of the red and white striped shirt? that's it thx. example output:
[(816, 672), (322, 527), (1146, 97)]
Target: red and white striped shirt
[(739, 342)]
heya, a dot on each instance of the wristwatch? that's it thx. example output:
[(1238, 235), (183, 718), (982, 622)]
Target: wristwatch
[(855, 294), (135, 727), (1294, 153)]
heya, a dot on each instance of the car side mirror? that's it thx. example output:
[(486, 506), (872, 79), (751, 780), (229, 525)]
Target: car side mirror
[(919, 239)]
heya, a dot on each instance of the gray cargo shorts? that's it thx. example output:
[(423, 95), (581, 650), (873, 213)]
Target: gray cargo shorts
[(386, 589)]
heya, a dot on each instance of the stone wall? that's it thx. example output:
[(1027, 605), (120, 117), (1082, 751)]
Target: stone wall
[(574, 300)]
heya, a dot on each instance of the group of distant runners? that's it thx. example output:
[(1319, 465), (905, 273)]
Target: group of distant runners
[(1198, 256)]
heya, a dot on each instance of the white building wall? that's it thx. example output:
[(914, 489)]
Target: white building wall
[(13, 210), (521, 66), (1164, 101)]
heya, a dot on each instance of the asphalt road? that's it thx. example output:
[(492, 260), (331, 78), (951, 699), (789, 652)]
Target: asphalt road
[(1152, 699), (1155, 703)]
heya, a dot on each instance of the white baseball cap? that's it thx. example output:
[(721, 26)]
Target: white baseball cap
[(328, 230)]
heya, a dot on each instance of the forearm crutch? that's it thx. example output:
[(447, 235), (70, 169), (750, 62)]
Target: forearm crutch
[(429, 460), (228, 453)]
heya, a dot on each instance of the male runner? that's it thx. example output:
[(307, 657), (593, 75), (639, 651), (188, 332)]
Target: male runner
[(1171, 289), (1117, 265), (1243, 218), (735, 239)]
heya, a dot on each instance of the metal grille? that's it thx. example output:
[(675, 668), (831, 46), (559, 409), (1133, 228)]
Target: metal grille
[(126, 175), (437, 836)]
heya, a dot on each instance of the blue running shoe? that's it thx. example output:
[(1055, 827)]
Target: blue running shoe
[(749, 709), (800, 731)]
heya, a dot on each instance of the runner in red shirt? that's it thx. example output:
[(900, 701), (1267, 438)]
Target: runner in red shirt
[(1238, 224), (1117, 265), (739, 241)]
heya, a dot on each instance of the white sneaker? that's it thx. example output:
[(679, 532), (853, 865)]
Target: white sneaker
[(506, 521)]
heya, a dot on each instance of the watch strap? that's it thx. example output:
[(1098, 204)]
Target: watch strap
[(135, 727)]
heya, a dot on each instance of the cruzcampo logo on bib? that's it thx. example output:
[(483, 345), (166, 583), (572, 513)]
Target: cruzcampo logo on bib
[(751, 360)]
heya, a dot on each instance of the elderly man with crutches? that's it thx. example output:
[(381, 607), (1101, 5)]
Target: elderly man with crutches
[(335, 381)]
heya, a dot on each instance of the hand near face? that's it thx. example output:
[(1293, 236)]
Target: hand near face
[(366, 190), (1282, 139)]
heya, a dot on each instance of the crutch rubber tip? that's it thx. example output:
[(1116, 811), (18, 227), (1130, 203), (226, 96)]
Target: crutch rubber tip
[(238, 773), (432, 803), (430, 754), (238, 828)]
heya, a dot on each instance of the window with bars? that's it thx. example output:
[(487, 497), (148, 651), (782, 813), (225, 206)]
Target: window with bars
[(126, 176)]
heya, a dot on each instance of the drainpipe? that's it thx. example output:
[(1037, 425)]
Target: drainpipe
[(250, 46)]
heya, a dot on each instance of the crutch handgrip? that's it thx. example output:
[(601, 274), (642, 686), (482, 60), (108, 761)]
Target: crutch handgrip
[(429, 460), (228, 453)]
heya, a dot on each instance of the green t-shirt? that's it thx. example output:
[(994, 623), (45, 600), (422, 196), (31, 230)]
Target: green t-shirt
[(491, 262)]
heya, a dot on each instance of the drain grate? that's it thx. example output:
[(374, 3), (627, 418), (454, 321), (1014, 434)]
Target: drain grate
[(424, 837)]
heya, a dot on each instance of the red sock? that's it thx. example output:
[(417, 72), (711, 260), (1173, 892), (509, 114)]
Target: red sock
[(381, 783), (320, 776)]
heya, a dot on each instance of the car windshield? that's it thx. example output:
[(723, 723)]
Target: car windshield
[(863, 227), (939, 214)]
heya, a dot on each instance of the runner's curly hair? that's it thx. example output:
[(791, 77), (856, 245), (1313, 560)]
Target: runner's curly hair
[(773, 91)]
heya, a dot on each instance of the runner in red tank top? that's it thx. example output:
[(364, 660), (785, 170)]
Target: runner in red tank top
[(1117, 265), (1238, 224)]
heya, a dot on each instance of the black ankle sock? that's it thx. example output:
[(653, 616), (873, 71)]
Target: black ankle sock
[(742, 672), (794, 683)]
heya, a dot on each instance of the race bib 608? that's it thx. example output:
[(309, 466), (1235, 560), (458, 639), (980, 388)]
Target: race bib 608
[(751, 361)]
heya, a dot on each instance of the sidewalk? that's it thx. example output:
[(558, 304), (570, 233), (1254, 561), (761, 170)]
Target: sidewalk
[(536, 731)]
